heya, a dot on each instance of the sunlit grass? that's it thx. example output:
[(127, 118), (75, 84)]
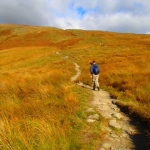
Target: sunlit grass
[(39, 106), (125, 69), (125, 66)]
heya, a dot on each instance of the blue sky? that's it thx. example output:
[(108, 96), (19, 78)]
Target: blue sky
[(129, 16)]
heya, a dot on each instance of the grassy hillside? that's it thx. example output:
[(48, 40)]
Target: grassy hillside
[(39, 106), (125, 66)]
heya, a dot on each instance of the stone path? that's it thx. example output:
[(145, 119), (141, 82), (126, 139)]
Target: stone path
[(122, 132)]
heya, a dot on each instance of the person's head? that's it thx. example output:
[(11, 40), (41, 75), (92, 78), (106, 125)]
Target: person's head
[(93, 62)]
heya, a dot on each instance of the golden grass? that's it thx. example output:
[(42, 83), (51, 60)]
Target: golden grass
[(40, 108), (37, 102), (125, 68)]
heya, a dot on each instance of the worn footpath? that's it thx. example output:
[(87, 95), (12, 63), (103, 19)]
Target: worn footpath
[(122, 131)]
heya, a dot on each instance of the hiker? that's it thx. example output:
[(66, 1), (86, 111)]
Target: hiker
[(95, 70)]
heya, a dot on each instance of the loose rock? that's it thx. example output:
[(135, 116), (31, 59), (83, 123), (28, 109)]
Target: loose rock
[(90, 110), (94, 117)]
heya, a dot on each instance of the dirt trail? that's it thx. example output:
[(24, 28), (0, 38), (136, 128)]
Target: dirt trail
[(122, 131)]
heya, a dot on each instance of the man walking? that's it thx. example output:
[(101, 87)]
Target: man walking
[(95, 70)]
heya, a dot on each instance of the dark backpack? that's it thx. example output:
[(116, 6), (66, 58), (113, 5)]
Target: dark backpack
[(96, 69)]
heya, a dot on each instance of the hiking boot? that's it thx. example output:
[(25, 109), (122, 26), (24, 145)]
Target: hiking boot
[(98, 88)]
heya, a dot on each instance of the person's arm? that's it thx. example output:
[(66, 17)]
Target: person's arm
[(91, 69)]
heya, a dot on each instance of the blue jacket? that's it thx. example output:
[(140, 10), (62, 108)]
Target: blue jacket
[(92, 68)]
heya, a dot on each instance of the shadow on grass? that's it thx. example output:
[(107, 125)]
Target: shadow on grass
[(141, 140)]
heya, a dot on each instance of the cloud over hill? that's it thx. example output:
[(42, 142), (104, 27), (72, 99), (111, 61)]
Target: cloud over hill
[(109, 15)]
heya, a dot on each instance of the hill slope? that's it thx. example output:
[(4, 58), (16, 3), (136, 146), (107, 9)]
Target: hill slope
[(34, 69)]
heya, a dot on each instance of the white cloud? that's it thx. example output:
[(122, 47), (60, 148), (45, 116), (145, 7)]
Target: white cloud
[(110, 15), (59, 6)]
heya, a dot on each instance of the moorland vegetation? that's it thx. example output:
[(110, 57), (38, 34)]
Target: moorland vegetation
[(40, 108)]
